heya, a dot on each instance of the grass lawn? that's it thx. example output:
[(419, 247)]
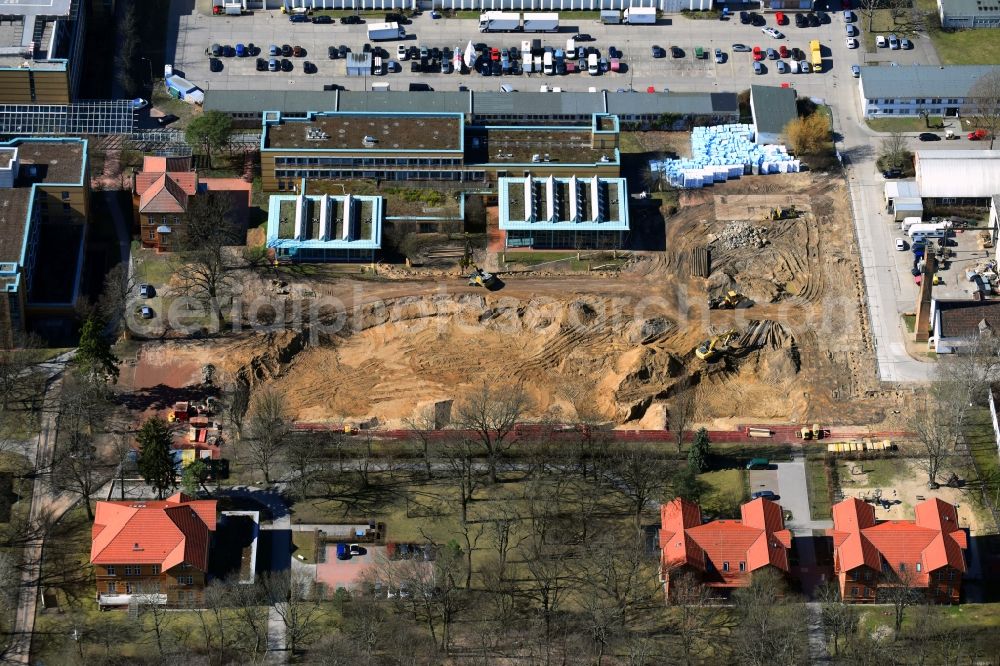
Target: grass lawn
[(909, 321), (983, 616), (882, 24), (304, 546), (727, 489), (904, 124), (169, 105), (819, 490), (966, 47), (151, 267), (982, 441), (881, 472)]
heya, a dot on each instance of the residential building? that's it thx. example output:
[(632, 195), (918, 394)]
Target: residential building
[(945, 91), (565, 213), (772, 108), (428, 146), (722, 554), (45, 189), (872, 556), (324, 227), (969, 13), (41, 47), (162, 193), (963, 177), (956, 324), (158, 549), (670, 109)]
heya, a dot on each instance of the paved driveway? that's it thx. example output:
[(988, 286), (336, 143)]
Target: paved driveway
[(794, 493)]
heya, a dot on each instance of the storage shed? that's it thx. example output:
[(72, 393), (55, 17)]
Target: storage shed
[(902, 198), (773, 108), (359, 64)]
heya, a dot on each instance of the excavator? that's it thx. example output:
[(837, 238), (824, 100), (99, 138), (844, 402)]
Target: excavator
[(730, 301), (789, 213), (481, 278), (713, 347)]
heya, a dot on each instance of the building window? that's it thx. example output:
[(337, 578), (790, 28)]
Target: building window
[(902, 567), (868, 575), (951, 575), (936, 100), (921, 100), (725, 566), (112, 587), (66, 208), (156, 570), (743, 566), (852, 575), (854, 591), (128, 588), (918, 567), (185, 580), (111, 570), (152, 233)]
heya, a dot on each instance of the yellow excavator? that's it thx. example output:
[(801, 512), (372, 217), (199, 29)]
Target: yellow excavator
[(481, 278), (729, 301), (781, 214), (713, 347)]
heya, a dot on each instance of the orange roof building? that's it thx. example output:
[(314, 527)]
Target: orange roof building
[(723, 554), (925, 553), (159, 549)]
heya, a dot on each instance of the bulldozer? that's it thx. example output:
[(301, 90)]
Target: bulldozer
[(729, 301), (481, 278), (713, 347), (781, 214)]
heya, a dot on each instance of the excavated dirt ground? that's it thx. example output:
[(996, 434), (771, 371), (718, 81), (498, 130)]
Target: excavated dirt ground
[(614, 347)]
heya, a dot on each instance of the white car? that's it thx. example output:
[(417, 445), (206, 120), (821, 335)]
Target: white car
[(146, 312), (771, 32), (804, 67), (401, 52), (880, 41), (893, 42), (852, 43), (900, 244)]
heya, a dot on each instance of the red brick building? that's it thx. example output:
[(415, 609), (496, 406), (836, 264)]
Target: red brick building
[(156, 548), (723, 554), (926, 553)]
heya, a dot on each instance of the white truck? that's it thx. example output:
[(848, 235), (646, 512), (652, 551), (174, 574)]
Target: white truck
[(592, 66), (932, 230), (640, 15), (548, 65), (908, 222), (541, 22), (385, 31), (499, 22)]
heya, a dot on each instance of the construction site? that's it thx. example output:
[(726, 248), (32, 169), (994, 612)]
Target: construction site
[(755, 306)]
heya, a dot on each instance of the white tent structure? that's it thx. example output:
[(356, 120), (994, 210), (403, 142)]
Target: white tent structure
[(470, 55)]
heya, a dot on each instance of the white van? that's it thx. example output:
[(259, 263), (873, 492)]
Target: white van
[(548, 65), (880, 41), (908, 222), (592, 67)]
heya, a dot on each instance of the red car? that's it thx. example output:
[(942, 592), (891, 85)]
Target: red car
[(494, 54), (216, 10), (781, 19), (783, 51), (978, 135), (757, 53)]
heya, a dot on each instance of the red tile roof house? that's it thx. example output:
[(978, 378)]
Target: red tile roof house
[(156, 548), (723, 554), (869, 555), (163, 190)]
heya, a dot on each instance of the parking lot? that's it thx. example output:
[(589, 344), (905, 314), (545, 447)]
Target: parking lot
[(966, 254), (197, 32)]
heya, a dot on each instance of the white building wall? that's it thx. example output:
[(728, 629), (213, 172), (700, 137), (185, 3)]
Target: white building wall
[(960, 174)]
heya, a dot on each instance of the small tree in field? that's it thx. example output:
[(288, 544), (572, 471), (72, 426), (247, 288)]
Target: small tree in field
[(94, 357), (210, 130), (699, 452), (156, 464), (808, 135)]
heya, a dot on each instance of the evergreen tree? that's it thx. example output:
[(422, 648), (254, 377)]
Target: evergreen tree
[(194, 476), (94, 357), (156, 464), (699, 452)]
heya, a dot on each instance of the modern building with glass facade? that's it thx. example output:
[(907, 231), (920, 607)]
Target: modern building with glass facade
[(323, 227), (563, 213)]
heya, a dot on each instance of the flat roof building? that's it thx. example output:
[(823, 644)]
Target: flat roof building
[(44, 184), (907, 91), (958, 176), (969, 13), (324, 227), (41, 46), (565, 213)]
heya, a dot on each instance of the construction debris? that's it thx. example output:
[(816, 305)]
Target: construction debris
[(739, 235)]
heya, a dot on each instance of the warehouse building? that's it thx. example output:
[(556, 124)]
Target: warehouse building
[(324, 228), (41, 47), (429, 146), (44, 186), (668, 110), (907, 91), (563, 213), (958, 177), (969, 13)]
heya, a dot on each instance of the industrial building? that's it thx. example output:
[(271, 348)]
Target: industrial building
[(497, 5), (563, 213), (907, 91), (246, 107), (41, 45), (45, 187), (428, 146), (969, 13), (963, 177), (902, 199), (772, 108), (324, 227)]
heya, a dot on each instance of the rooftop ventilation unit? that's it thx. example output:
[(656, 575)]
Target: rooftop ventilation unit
[(369, 140)]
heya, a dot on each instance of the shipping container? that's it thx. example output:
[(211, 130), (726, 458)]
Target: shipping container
[(640, 15), (385, 31), (499, 22), (541, 22)]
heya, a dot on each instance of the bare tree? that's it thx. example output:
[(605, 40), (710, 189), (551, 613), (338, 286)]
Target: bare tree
[(236, 403), (938, 429), (294, 597), (206, 267), (160, 618), (967, 377), (985, 96), (897, 589), (421, 429), (682, 410), (698, 619), (770, 628), (838, 618), (492, 412), (867, 9), (268, 425), (248, 618), (894, 150), (640, 476), (459, 456), (115, 295), (307, 456)]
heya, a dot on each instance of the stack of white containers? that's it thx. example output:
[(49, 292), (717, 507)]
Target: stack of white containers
[(722, 152)]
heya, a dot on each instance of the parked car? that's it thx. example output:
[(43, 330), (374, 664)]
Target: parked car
[(322, 20), (771, 32), (759, 463), (298, 51), (813, 20), (356, 549), (332, 53), (880, 41), (905, 44), (764, 494), (848, 16), (745, 18), (298, 18), (583, 37), (798, 54), (146, 312), (342, 552), (720, 57), (782, 67), (286, 65), (772, 54), (780, 18), (800, 21), (215, 50), (851, 30), (757, 20), (676, 52), (824, 18), (977, 135), (757, 53), (856, 71), (286, 50), (900, 245), (889, 174), (401, 52), (758, 68), (163, 121), (228, 51), (894, 42), (214, 65), (852, 43), (352, 19), (804, 66), (273, 65), (784, 52), (929, 136), (261, 65), (273, 50), (147, 290), (308, 67), (343, 50), (657, 52), (241, 51), (741, 48)]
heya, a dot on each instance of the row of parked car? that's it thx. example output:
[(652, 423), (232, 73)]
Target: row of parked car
[(893, 43)]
